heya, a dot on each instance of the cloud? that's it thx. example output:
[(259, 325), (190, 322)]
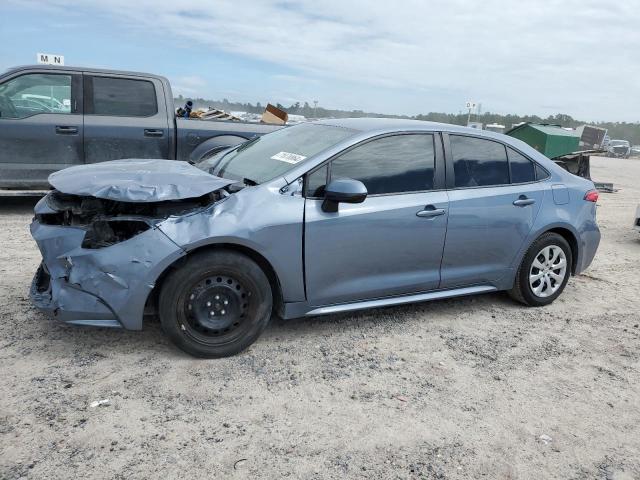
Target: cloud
[(511, 56), (188, 85)]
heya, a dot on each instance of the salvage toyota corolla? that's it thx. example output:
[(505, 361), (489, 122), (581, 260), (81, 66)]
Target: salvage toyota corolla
[(318, 218)]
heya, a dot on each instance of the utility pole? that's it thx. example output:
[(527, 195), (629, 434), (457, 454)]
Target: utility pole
[(471, 106), (315, 108)]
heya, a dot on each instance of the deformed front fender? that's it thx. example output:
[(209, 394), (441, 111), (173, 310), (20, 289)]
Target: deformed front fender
[(83, 281), (258, 218)]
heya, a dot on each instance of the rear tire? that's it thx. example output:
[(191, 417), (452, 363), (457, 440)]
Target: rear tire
[(544, 271), (216, 304)]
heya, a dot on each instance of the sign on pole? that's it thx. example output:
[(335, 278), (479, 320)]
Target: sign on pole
[(471, 106), (49, 59)]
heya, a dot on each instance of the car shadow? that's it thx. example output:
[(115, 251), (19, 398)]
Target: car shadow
[(151, 340), (393, 314), (18, 205)]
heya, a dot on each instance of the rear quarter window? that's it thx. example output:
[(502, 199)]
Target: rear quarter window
[(541, 173)]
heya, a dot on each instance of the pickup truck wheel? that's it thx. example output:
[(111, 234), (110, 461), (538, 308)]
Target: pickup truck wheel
[(544, 271), (216, 304)]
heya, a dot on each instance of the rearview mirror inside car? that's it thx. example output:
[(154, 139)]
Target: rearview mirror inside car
[(343, 190)]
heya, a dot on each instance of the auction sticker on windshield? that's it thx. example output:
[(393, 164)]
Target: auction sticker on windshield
[(288, 157)]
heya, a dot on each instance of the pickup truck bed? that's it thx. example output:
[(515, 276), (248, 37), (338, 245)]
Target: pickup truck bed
[(55, 117)]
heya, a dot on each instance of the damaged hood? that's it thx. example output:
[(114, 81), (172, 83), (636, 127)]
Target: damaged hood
[(137, 180)]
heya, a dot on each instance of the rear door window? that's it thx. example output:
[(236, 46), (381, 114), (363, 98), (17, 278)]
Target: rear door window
[(478, 162), (120, 97)]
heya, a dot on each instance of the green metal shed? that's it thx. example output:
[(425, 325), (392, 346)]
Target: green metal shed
[(550, 140)]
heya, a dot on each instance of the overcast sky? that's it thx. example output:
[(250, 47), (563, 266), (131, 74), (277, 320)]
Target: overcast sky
[(579, 57)]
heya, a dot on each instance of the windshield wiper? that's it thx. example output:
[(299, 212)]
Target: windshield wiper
[(213, 167), (250, 142)]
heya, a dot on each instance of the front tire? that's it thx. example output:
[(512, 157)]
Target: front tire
[(544, 271), (216, 304)]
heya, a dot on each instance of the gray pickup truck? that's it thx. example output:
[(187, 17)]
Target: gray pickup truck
[(56, 117)]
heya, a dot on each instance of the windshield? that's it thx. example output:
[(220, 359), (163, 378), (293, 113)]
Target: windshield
[(272, 155), (619, 142)]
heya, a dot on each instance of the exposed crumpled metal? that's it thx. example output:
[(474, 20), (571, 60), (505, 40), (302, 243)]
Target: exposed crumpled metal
[(137, 180)]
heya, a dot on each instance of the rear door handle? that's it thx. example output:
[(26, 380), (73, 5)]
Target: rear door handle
[(152, 132), (523, 201), (430, 211), (65, 130)]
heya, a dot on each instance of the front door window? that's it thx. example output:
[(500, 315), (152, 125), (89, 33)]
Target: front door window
[(35, 93)]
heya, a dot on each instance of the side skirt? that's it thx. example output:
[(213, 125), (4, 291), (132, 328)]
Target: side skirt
[(301, 309)]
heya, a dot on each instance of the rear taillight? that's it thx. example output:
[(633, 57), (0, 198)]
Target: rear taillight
[(591, 196)]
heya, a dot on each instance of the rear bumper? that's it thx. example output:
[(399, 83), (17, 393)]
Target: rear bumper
[(590, 240)]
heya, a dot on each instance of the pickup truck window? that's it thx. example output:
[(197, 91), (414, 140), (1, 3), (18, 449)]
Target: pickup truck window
[(35, 93), (119, 97), (272, 155)]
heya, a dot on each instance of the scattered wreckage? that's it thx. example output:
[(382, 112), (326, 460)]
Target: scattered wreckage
[(571, 149)]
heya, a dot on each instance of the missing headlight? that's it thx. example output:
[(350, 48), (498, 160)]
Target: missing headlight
[(103, 233)]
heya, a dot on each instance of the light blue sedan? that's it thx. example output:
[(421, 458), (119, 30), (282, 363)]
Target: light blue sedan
[(318, 218)]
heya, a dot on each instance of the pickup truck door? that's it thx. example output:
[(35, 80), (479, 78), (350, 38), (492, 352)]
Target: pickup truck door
[(41, 127), (125, 117)]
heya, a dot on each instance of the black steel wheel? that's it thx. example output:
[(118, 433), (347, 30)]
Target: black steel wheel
[(216, 304)]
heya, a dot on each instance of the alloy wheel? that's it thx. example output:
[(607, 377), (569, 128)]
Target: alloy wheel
[(548, 271)]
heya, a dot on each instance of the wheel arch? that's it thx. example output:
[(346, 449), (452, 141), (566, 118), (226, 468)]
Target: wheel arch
[(566, 232), (571, 239), (261, 261)]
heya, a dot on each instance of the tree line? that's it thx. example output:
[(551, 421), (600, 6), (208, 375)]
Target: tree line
[(617, 130)]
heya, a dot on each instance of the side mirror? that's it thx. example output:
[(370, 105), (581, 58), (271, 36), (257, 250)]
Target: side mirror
[(343, 190)]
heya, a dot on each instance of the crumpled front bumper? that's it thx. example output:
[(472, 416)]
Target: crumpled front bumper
[(101, 287)]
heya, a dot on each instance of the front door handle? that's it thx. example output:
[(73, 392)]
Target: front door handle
[(152, 132), (523, 201), (430, 211), (65, 130)]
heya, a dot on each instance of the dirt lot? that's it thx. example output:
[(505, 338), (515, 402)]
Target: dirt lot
[(469, 388)]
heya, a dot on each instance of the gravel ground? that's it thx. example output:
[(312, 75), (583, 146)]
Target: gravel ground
[(477, 387)]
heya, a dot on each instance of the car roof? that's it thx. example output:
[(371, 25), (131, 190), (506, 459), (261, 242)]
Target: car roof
[(370, 125), (82, 69)]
